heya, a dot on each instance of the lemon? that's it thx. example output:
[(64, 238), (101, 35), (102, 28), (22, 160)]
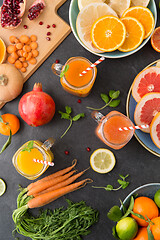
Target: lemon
[(83, 3), (2, 187), (127, 228), (157, 198), (102, 160)]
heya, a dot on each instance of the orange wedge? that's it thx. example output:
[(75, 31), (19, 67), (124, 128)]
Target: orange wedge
[(134, 36), (2, 51), (144, 16), (108, 33)]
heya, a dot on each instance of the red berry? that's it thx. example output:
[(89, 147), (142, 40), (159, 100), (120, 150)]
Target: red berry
[(79, 100), (25, 26), (54, 25), (48, 33), (48, 26), (48, 38), (88, 149), (66, 152), (41, 23), (57, 61)]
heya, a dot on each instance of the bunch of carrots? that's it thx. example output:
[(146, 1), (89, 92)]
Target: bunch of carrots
[(48, 189)]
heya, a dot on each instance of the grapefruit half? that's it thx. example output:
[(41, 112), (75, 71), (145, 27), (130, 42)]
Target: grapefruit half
[(155, 130), (146, 109), (146, 81)]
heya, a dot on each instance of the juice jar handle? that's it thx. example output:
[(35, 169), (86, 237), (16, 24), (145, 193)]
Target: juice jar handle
[(57, 68), (48, 143), (97, 116)]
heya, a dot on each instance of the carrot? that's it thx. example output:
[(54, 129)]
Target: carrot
[(62, 184), (57, 174), (47, 184), (48, 197)]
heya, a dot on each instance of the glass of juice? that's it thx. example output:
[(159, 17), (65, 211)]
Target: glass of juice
[(108, 128), (72, 82), (23, 158)]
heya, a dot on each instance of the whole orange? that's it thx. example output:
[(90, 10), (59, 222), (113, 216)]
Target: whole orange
[(10, 122), (146, 207), (142, 234), (155, 228)]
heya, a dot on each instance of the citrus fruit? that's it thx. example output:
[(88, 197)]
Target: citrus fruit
[(102, 160), (2, 187), (146, 109), (10, 122), (142, 234), (119, 6), (155, 39), (85, 19), (146, 81), (84, 3), (127, 228), (155, 130), (134, 36), (157, 198), (2, 51), (108, 33), (155, 228), (144, 16), (146, 207), (143, 3)]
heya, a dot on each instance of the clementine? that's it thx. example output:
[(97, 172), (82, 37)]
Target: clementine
[(9, 122), (155, 228), (142, 234), (146, 207)]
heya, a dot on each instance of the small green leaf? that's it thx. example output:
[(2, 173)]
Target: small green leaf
[(130, 208), (150, 235), (64, 115), (114, 103), (30, 144), (1, 120), (123, 207), (138, 215), (109, 188), (124, 185), (78, 116), (8, 142), (104, 97), (114, 214), (68, 109), (114, 233), (64, 71), (115, 94), (111, 93), (123, 177)]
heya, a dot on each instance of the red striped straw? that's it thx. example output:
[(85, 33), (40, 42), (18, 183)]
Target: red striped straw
[(43, 162), (92, 66), (134, 127)]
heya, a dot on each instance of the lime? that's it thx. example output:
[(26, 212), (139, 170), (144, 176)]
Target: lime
[(102, 160), (2, 187), (127, 228), (157, 198)]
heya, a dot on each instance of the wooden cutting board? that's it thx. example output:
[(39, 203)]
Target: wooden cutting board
[(48, 17)]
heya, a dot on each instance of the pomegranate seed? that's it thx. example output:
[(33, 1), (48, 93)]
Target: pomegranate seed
[(25, 26), (88, 149), (48, 38), (41, 23), (57, 61), (48, 33), (54, 25), (79, 100), (66, 152), (48, 26)]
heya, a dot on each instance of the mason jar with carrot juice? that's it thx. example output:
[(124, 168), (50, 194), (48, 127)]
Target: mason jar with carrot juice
[(23, 159), (108, 128), (72, 82)]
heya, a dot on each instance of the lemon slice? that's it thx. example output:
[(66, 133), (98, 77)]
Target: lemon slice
[(102, 160), (2, 187), (84, 3)]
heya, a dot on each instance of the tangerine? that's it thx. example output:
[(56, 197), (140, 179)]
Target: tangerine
[(142, 234), (10, 122), (155, 228), (146, 207)]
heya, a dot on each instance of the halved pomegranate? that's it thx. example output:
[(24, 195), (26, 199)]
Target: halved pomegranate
[(36, 9), (12, 12)]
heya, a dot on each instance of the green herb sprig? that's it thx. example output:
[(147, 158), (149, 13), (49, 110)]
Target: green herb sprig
[(64, 71), (111, 102), (67, 116), (123, 184), (29, 146)]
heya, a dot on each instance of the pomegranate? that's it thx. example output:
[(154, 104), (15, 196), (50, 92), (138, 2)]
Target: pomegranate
[(11, 13), (36, 107), (36, 9)]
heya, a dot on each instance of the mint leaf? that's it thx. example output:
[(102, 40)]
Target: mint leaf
[(114, 103), (28, 147), (109, 188), (111, 93), (123, 177), (64, 115), (114, 233), (8, 142), (115, 94), (114, 214), (104, 97), (78, 116), (150, 235), (68, 109), (30, 144)]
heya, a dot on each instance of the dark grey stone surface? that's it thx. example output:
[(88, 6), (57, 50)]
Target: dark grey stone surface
[(133, 159)]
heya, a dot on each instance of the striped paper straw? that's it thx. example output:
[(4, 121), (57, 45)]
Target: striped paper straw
[(92, 66), (134, 127), (43, 162)]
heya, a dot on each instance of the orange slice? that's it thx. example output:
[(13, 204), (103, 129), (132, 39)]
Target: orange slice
[(134, 36), (155, 39), (144, 16), (2, 51), (108, 33)]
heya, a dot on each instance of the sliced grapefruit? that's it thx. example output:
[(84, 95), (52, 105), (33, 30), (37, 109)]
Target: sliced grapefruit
[(155, 130), (146, 81), (146, 109), (143, 3), (155, 39)]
